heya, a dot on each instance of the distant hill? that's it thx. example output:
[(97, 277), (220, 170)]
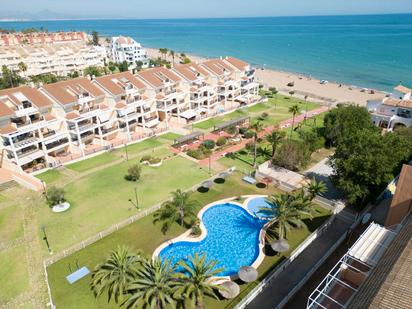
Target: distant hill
[(44, 15)]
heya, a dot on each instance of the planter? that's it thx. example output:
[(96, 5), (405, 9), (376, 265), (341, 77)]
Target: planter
[(61, 207), (155, 164)]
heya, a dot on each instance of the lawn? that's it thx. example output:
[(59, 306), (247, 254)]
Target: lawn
[(93, 162), (13, 273), (277, 110), (100, 199), (11, 223), (50, 176), (142, 234)]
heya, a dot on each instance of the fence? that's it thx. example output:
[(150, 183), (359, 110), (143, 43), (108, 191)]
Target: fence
[(275, 273)]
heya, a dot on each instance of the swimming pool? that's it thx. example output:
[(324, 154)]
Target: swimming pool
[(255, 204), (232, 239)]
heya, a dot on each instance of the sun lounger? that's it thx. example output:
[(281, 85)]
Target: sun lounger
[(78, 274)]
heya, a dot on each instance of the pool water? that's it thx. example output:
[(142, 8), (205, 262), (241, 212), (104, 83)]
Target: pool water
[(232, 239), (255, 204)]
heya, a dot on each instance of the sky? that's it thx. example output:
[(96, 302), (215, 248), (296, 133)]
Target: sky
[(205, 8)]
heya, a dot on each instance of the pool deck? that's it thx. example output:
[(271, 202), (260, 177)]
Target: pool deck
[(185, 237)]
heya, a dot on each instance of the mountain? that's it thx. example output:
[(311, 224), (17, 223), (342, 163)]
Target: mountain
[(44, 15)]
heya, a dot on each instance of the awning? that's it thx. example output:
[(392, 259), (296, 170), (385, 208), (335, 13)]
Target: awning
[(188, 114)]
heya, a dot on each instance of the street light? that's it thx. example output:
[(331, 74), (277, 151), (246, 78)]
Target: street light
[(136, 203), (43, 228)]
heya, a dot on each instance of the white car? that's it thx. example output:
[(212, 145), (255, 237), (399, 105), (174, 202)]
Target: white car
[(323, 82)]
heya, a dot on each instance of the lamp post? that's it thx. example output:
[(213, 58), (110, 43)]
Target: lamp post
[(125, 149), (43, 228), (136, 203)]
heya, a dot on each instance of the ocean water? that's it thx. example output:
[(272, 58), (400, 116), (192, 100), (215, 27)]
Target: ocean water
[(369, 51)]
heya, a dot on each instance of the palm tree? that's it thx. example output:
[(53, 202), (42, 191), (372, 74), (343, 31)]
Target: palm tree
[(196, 280), (274, 138), (172, 54), (22, 67), (115, 274), (153, 285), (315, 188), (256, 127), (294, 109), (163, 51), (285, 212), (175, 210)]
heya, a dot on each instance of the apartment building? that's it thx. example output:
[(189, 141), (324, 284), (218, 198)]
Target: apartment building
[(249, 88), (32, 137), (393, 111), (168, 90), (19, 38), (89, 119), (202, 87), (59, 58), (126, 49), (134, 109)]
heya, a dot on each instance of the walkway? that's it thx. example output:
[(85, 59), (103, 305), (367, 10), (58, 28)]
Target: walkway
[(276, 290)]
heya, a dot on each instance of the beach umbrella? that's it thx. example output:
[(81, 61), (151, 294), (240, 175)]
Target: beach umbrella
[(280, 245), (207, 184), (224, 175), (229, 289), (247, 274)]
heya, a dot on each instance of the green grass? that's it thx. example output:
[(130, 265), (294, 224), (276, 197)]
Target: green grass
[(143, 234), (13, 273), (100, 199), (51, 176), (170, 136), (11, 223), (93, 162), (2, 198)]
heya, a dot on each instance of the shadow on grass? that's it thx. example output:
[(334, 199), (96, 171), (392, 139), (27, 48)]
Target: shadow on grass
[(219, 180), (268, 251), (202, 190), (261, 185), (315, 222)]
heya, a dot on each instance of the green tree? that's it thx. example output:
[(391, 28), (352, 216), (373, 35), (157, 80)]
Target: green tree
[(186, 60), (163, 52), (406, 133), (133, 172), (294, 109), (153, 286), (10, 78), (312, 139), (116, 274), (172, 54), (275, 138), (344, 121), (315, 188), (178, 209), (256, 127), (55, 195), (22, 67), (123, 66), (139, 65), (93, 71), (112, 67), (197, 279), (292, 155), (95, 38), (285, 211)]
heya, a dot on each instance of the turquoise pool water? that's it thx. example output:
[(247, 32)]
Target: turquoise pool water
[(254, 205), (232, 239)]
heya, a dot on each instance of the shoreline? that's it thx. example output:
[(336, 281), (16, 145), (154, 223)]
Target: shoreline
[(305, 86)]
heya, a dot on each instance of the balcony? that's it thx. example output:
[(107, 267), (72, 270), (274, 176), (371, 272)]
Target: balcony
[(25, 142), (57, 143), (109, 130), (26, 112), (85, 99)]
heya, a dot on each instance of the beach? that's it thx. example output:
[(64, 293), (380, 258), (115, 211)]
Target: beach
[(304, 86)]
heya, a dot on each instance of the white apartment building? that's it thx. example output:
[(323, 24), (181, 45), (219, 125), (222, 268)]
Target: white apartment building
[(249, 88), (18, 38), (59, 58), (393, 111), (129, 97), (31, 136), (167, 88), (126, 49), (89, 119)]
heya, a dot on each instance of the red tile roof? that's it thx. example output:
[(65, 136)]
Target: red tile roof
[(403, 89), (191, 71), (239, 64), (156, 77), (217, 66), (115, 83)]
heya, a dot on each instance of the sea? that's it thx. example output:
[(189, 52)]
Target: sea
[(373, 51)]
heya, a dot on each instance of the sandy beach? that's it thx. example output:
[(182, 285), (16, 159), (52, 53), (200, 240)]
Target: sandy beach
[(304, 86)]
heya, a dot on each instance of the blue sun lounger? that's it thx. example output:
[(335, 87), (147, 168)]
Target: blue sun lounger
[(249, 179), (78, 274)]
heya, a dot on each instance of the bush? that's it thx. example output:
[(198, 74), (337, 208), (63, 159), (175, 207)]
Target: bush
[(195, 153), (196, 231), (154, 160), (133, 173), (250, 146), (55, 195), (263, 116), (146, 158), (206, 151), (249, 134), (292, 155), (231, 130), (221, 141), (312, 140), (209, 144), (243, 130), (273, 89)]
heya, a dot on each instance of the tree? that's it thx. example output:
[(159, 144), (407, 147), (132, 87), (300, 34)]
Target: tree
[(93, 71), (139, 65), (365, 161), (285, 211), (197, 279), (10, 78), (55, 195), (292, 155), (274, 138), (123, 66), (178, 209), (115, 274), (133, 173), (95, 38), (406, 133), (153, 285), (315, 188), (312, 139), (22, 67), (112, 67), (294, 109), (345, 120), (163, 51), (256, 127), (45, 78), (172, 54), (186, 60)]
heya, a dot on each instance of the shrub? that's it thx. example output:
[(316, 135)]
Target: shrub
[(249, 134), (196, 231), (243, 130), (231, 130), (273, 89), (146, 158), (221, 141), (206, 151), (264, 115), (209, 144), (55, 195), (292, 155), (155, 160), (250, 146), (133, 173), (195, 153)]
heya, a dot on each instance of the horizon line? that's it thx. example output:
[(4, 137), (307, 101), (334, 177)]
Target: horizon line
[(5, 20)]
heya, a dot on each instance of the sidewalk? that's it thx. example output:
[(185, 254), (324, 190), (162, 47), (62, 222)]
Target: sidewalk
[(276, 290)]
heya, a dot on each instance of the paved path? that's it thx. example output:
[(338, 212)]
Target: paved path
[(295, 271)]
